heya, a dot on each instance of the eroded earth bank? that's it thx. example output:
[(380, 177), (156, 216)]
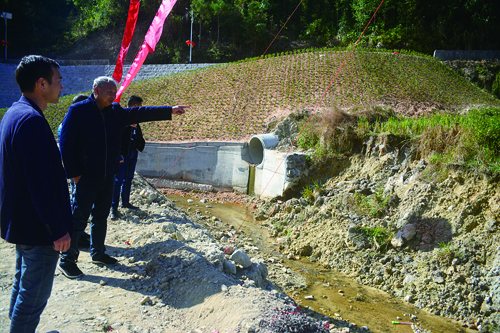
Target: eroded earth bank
[(429, 239)]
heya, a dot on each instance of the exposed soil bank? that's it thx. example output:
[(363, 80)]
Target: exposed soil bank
[(383, 221)]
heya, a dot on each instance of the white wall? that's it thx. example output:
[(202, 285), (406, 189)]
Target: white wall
[(214, 163)]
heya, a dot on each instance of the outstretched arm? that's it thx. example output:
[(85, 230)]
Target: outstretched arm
[(179, 109)]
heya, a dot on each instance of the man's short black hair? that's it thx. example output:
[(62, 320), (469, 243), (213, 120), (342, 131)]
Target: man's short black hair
[(134, 100), (33, 67), (79, 98)]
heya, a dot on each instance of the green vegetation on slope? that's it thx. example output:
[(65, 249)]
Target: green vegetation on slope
[(233, 101), (471, 140)]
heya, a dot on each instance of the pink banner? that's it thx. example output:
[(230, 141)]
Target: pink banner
[(152, 37), (133, 12)]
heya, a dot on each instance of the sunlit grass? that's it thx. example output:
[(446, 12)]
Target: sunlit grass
[(471, 139), (233, 101)]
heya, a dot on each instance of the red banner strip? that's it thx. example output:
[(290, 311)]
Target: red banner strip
[(152, 37), (133, 12)]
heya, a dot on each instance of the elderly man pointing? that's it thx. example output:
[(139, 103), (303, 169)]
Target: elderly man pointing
[(90, 147)]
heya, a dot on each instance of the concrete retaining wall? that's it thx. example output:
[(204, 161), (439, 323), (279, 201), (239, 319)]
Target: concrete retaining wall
[(466, 55), (79, 79), (270, 175), (214, 163), (218, 164)]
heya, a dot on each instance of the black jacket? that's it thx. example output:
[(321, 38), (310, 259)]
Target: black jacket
[(90, 137), (132, 140)]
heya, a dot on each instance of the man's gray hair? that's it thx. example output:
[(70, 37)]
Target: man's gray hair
[(103, 79)]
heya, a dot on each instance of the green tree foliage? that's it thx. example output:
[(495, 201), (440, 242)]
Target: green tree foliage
[(36, 26), (96, 15), (226, 30)]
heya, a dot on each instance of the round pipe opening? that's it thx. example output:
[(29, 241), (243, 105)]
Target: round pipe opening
[(257, 145)]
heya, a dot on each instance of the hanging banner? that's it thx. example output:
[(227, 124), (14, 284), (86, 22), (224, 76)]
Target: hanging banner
[(133, 12), (152, 37)]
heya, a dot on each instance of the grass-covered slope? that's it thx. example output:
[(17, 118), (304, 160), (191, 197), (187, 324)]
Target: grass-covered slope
[(233, 101)]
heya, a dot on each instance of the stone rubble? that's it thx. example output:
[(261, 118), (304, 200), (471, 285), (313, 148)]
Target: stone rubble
[(444, 252)]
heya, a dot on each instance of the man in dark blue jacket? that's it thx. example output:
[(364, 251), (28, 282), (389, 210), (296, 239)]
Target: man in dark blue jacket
[(35, 210), (132, 143), (90, 147)]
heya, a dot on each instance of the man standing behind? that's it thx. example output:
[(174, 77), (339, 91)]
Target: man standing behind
[(90, 147), (132, 143), (35, 211)]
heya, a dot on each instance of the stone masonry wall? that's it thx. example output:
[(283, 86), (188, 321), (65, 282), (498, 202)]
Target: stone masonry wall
[(79, 79)]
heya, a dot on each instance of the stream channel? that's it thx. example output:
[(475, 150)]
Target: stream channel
[(356, 303)]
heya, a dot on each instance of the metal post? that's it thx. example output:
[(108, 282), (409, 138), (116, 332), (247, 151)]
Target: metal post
[(191, 38), (6, 16)]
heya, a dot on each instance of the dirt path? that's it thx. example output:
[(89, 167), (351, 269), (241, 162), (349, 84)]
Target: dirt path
[(170, 278)]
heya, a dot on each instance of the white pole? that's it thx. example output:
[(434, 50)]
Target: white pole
[(191, 38), (5, 18)]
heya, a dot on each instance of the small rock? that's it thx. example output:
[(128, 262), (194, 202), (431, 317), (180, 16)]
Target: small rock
[(229, 266), (179, 237), (409, 298), (241, 258), (145, 300)]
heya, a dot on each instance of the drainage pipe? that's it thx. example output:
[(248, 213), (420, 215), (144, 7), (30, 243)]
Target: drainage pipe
[(257, 144)]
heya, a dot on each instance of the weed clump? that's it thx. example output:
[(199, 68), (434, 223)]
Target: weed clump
[(471, 139)]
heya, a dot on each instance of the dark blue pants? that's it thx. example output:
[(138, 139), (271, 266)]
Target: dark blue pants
[(123, 180), (90, 196), (35, 266)]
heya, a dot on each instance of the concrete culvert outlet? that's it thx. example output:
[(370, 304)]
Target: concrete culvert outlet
[(257, 145)]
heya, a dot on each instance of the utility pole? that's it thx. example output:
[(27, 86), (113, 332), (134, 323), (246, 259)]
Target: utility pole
[(6, 16), (190, 38)]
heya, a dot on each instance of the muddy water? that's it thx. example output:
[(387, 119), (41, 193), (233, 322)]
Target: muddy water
[(333, 293)]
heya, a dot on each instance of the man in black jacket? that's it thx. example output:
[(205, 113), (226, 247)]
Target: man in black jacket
[(35, 211), (90, 147), (132, 144)]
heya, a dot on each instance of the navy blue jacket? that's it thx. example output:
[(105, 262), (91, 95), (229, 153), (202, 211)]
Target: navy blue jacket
[(34, 198), (90, 138), (131, 141)]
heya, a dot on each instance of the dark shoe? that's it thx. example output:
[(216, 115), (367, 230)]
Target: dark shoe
[(84, 241), (71, 271), (104, 259), (130, 206), (115, 214)]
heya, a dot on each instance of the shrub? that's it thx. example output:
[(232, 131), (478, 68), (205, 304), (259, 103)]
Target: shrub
[(380, 237), (375, 205), (307, 193), (495, 89), (445, 254)]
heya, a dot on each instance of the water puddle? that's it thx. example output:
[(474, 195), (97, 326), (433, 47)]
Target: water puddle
[(333, 294)]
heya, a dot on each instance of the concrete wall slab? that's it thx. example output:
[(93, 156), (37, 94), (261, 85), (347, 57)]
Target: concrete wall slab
[(217, 163)]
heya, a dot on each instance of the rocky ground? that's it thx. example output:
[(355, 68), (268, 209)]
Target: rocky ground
[(172, 276), (381, 218), (386, 221)]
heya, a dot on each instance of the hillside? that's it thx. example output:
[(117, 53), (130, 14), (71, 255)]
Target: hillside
[(236, 100), (392, 219)]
